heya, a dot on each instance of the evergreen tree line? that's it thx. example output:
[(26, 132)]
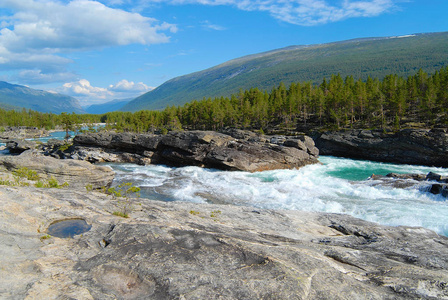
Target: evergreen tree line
[(48, 121), (393, 102)]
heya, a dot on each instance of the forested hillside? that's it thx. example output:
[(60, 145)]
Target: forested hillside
[(395, 102), (420, 100), (375, 57)]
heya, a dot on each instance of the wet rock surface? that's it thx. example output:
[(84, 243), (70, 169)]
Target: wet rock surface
[(434, 183), (409, 146), (246, 151), (204, 251)]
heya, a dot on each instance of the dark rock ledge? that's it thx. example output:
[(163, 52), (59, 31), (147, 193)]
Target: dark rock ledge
[(409, 146), (232, 150)]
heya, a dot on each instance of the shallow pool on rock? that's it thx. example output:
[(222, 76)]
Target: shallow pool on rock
[(68, 228)]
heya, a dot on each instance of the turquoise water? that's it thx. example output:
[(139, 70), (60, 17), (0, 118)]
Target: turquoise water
[(337, 185), (58, 135), (351, 169)]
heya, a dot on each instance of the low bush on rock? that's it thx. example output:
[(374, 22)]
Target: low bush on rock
[(23, 176), (125, 192)]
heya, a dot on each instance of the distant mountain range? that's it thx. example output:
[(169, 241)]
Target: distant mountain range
[(107, 107), (14, 96), (375, 57)]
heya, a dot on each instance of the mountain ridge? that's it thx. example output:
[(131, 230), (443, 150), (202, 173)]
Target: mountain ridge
[(361, 57), (106, 107), (15, 96)]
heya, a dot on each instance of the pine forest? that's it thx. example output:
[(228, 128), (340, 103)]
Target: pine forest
[(391, 103)]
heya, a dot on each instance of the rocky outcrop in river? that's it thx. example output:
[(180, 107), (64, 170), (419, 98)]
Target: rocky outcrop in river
[(246, 152), (409, 146), (205, 251), (433, 183)]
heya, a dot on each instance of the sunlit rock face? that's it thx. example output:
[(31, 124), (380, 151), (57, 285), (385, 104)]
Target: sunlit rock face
[(236, 150), (409, 146)]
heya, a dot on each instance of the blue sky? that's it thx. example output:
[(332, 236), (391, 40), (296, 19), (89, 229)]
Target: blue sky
[(100, 50)]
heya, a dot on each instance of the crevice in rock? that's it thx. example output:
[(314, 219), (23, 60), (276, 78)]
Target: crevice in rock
[(340, 258)]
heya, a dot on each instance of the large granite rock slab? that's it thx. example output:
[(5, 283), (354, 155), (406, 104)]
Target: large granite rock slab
[(21, 132), (204, 251), (409, 146), (76, 173), (202, 148)]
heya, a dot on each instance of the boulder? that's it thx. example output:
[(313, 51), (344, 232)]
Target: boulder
[(408, 146), (76, 173), (435, 183), (249, 152), (19, 146)]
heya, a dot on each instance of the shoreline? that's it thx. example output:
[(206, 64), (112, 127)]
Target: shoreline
[(231, 250), (175, 250)]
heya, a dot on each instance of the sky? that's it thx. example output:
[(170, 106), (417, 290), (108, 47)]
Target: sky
[(102, 50)]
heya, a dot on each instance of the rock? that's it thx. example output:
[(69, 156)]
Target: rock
[(417, 177), (411, 180), (76, 173), (202, 251), (21, 132), (436, 177), (19, 146), (204, 148), (438, 188), (408, 146)]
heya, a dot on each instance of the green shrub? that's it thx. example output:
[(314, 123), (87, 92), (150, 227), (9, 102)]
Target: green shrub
[(45, 237), (125, 192), (24, 172), (120, 214), (39, 184), (64, 147)]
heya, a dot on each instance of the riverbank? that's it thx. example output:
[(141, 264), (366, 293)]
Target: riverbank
[(203, 251), (199, 251)]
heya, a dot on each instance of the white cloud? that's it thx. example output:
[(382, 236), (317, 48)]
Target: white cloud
[(39, 32), (130, 86), (83, 90), (303, 12), (88, 94), (79, 24), (208, 25), (39, 77)]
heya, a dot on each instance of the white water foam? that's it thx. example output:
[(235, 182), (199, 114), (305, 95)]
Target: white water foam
[(312, 188)]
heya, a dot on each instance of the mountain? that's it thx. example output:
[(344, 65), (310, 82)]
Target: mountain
[(375, 57), (107, 107), (18, 96)]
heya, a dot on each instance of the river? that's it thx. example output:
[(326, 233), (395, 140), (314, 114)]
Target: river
[(338, 185)]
